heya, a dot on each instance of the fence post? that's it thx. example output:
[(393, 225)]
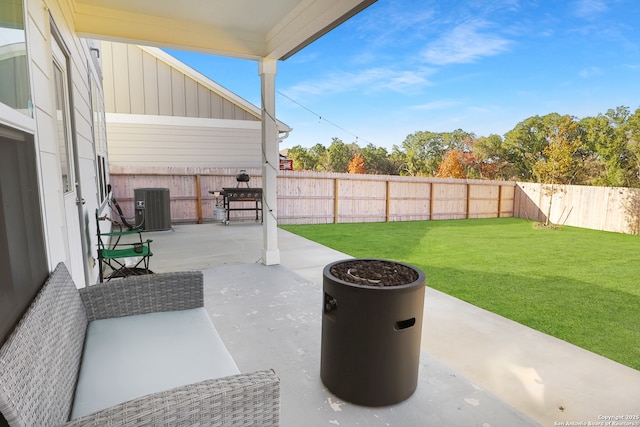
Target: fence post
[(336, 187), (432, 186), (468, 201), (387, 212), (499, 201), (198, 200)]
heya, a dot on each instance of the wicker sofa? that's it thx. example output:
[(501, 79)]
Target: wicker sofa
[(45, 377)]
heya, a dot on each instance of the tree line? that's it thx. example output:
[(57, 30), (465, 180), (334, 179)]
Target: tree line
[(560, 149)]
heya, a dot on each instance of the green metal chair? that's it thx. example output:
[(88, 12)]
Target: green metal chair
[(116, 254)]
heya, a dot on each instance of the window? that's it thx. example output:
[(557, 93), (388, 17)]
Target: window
[(64, 137), (103, 193), (23, 259), (99, 139), (14, 85)]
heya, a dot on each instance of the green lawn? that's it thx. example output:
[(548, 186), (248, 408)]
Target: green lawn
[(579, 285)]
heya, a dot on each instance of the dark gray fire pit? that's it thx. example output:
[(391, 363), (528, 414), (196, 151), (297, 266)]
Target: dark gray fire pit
[(371, 330)]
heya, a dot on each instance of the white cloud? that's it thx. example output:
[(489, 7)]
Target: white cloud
[(590, 72), (304, 57), (368, 80), (590, 8), (465, 43), (395, 21), (435, 105)]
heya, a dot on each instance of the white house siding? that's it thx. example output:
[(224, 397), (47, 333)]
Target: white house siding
[(143, 141), (160, 112), (38, 14)]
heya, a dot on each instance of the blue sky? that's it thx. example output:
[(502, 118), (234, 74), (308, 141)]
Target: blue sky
[(483, 66)]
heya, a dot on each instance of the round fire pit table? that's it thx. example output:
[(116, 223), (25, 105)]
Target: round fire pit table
[(371, 330)]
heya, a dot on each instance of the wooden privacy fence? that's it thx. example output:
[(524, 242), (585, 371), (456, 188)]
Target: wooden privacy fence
[(314, 198), (599, 208), (318, 198)]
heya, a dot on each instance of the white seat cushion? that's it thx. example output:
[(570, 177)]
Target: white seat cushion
[(129, 357)]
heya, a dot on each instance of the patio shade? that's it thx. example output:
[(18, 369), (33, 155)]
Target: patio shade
[(250, 29)]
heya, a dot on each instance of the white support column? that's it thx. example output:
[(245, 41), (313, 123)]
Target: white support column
[(270, 162)]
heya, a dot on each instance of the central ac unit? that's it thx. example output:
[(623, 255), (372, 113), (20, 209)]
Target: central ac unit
[(153, 209)]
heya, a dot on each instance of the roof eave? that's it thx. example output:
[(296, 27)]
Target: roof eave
[(326, 29)]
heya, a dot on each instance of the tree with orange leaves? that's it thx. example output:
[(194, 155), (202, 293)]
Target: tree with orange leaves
[(356, 165), (451, 166)]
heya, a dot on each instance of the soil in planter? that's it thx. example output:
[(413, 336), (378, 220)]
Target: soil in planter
[(374, 273)]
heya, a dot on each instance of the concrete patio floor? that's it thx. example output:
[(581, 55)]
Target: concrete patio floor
[(476, 368)]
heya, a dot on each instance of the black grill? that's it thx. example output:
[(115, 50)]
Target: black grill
[(242, 194)]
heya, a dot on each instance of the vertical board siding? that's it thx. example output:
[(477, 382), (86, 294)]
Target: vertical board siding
[(228, 110), (121, 75), (216, 106), (191, 97), (178, 93), (163, 75), (107, 75), (151, 80), (204, 103), (137, 82)]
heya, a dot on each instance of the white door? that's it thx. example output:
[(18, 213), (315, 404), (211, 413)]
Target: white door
[(68, 160)]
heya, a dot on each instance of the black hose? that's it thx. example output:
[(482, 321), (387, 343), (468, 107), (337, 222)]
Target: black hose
[(121, 215)]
